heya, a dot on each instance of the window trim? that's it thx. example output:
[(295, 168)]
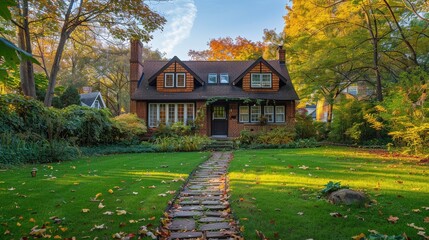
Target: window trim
[(272, 113), (177, 82), (225, 75), (283, 113), (259, 113), (252, 85), (156, 111), (165, 80), (212, 75)]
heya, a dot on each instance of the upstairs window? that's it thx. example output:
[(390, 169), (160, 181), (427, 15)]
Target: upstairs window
[(224, 78), (260, 80), (174, 80), (212, 78)]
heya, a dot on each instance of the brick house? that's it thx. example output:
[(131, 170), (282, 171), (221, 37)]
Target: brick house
[(227, 96)]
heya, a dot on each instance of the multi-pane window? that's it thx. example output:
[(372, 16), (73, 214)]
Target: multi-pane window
[(212, 78), (260, 80), (169, 80), (255, 113), (280, 113), (269, 113), (244, 113), (180, 79), (224, 78), (175, 80), (219, 112), (169, 113)]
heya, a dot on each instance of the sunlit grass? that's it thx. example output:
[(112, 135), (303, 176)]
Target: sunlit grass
[(269, 190), (64, 189)]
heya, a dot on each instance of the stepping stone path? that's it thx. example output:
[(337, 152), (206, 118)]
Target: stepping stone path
[(201, 210)]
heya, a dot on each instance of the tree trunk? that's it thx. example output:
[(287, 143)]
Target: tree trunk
[(26, 66)]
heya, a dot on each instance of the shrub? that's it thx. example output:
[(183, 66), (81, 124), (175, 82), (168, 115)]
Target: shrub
[(276, 136), (182, 143), (129, 127), (304, 126)]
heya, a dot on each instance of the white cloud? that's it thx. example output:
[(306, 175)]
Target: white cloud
[(180, 15)]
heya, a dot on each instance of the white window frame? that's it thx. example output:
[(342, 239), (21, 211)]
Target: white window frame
[(282, 113), (257, 80), (269, 114), (224, 78), (243, 111), (177, 79), (154, 121), (212, 75), (255, 114), (165, 80), (97, 104)]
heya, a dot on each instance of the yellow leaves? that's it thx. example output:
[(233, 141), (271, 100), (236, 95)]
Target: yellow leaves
[(85, 210), (64, 229), (57, 237), (98, 195), (110, 191), (31, 220), (359, 237), (98, 227), (18, 224), (242, 228), (416, 210), (37, 232), (392, 219)]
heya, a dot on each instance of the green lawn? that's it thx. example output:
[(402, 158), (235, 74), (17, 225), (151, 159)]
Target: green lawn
[(61, 191), (272, 194)]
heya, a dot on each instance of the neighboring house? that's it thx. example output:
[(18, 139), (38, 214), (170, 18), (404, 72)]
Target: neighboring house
[(231, 95), (92, 99)]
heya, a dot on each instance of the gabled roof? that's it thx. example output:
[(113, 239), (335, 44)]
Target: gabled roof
[(88, 99), (259, 60), (152, 77), (201, 69)]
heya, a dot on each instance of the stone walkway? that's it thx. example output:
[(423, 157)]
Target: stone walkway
[(201, 210)]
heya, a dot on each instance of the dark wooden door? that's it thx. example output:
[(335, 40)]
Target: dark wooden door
[(219, 120)]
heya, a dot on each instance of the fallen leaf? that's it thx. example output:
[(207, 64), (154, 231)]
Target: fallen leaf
[(300, 213), (37, 232), (416, 210), (121, 212), (303, 167), (171, 192), (241, 199), (244, 219), (373, 231), (423, 234), (162, 195), (242, 229), (57, 237), (11, 189), (7, 232), (392, 219), (153, 186), (108, 213), (359, 237), (132, 221), (135, 193), (426, 220), (64, 229), (85, 210), (152, 218), (98, 227), (335, 214), (426, 208), (98, 195), (32, 220), (110, 191), (18, 224), (415, 227), (100, 205)]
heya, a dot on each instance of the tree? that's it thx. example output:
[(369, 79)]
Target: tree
[(69, 97), (121, 18), (229, 49)]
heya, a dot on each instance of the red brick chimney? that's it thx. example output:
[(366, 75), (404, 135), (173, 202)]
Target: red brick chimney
[(136, 69), (281, 54)]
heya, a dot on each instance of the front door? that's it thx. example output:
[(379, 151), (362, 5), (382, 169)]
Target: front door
[(219, 120)]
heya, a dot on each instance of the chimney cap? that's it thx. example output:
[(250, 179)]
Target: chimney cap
[(280, 47)]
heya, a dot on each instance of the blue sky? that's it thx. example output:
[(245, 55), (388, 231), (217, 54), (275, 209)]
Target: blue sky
[(192, 23)]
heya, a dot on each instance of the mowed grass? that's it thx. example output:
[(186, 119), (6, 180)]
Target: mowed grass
[(272, 194), (130, 182)]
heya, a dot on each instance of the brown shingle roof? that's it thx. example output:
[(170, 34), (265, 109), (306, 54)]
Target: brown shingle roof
[(202, 69)]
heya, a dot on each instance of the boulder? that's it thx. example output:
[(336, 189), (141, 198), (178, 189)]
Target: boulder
[(347, 196)]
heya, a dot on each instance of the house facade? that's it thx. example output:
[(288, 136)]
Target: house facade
[(221, 97), (92, 100)]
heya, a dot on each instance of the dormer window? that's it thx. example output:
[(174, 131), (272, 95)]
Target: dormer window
[(224, 78), (261, 80), (212, 78), (174, 80)]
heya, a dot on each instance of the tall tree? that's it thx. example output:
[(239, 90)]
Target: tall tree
[(229, 49), (121, 18)]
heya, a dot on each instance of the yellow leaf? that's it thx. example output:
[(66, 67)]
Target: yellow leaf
[(152, 218), (121, 212), (32, 220), (18, 224), (98, 195), (85, 210), (64, 229), (242, 229), (110, 191), (359, 237), (57, 237)]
